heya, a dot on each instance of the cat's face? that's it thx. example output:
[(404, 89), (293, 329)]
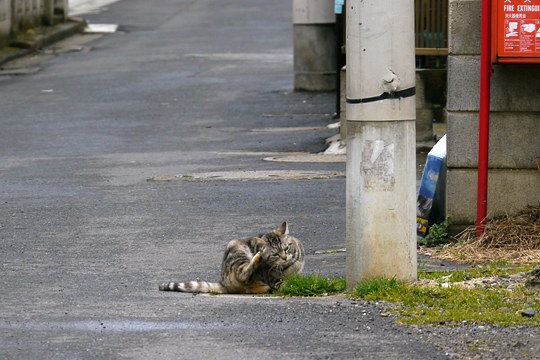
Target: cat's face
[(277, 250)]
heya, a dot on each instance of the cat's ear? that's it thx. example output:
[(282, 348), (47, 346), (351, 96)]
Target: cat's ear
[(284, 229)]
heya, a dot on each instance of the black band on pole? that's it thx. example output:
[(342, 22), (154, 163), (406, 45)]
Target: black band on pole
[(394, 95)]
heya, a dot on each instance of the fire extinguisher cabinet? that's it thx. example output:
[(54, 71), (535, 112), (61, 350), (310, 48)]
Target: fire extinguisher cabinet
[(516, 31)]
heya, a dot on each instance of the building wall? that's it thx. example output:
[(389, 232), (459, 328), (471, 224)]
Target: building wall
[(17, 15), (514, 177), (5, 21), (26, 13)]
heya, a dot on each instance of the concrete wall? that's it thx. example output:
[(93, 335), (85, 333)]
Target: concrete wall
[(5, 21), (17, 15), (314, 57), (514, 179), (314, 45), (27, 13)]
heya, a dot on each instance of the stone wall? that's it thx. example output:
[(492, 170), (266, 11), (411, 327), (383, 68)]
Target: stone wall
[(19, 15), (5, 21), (514, 179)]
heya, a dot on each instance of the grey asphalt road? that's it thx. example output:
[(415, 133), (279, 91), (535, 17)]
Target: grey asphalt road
[(184, 87)]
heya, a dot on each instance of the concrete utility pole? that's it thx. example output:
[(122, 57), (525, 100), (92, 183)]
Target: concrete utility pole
[(381, 147)]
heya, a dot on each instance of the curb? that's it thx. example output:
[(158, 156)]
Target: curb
[(45, 37)]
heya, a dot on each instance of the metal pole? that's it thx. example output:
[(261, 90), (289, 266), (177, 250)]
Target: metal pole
[(483, 128), (340, 58), (339, 65), (381, 146)]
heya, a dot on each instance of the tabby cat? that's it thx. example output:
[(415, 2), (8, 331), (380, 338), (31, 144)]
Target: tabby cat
[(255, 265)]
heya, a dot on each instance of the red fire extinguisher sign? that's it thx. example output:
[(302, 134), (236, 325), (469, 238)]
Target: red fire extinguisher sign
[(516, 31)]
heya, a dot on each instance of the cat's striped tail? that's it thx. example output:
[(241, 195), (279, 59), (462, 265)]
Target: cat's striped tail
[(194, 287)]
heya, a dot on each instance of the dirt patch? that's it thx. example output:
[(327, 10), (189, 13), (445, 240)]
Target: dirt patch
[(502, 281), (261, 175)]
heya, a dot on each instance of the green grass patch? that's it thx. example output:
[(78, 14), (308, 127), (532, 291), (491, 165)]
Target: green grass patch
[(438, 234), (441, 302), (311, 285), (378, 289), (421, 304), (452, 305)]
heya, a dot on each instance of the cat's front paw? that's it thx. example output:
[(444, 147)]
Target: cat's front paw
[(256, 260), (257, 257)]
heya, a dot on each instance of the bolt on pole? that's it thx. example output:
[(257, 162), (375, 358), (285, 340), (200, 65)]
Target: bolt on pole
[(381, 143)]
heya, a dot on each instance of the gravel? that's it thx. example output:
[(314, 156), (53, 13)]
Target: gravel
[(469, 341)]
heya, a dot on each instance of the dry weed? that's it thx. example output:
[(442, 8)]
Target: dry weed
[(515, 239)]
